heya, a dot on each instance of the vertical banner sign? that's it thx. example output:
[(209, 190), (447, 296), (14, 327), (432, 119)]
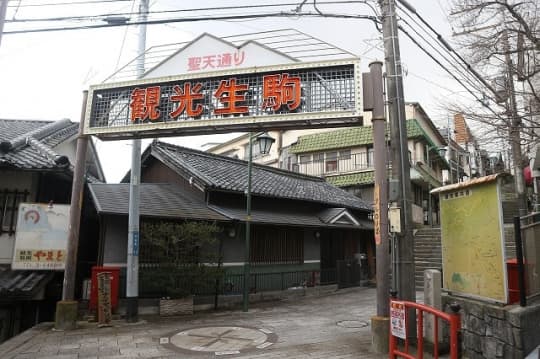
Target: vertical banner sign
[(135, 251), (377, 214), (104, 298), (397, 319)]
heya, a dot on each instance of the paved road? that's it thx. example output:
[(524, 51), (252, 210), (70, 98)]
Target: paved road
[(330, 326)]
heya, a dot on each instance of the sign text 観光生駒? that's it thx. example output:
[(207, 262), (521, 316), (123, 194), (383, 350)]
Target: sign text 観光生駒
[(300, 95)]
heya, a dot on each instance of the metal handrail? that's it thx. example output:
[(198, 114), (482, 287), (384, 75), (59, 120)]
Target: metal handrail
[(453, 319)]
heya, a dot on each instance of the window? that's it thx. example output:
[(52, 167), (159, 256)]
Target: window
[(272, 245), (331, 163), (370, 157), (345, 155), (304, 159), (9, 205), (318, 157)]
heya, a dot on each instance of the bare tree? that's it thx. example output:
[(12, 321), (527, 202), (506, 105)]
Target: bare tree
[(501, 40)]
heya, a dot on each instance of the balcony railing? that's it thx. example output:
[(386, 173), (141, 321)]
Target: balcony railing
[(356, 162)]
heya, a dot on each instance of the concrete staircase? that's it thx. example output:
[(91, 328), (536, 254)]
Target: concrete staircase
[(427, 252)]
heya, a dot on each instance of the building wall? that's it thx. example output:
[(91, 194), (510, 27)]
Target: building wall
[(157, 172), (68, 149), (116, 233), (115, 240)]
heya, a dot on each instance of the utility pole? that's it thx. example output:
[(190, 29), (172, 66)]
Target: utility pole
[(400, 194), (132, 269), (514, 130), (3, 9), (66, 309), (380, 323)]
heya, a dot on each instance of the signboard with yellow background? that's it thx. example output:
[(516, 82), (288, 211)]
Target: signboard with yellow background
[(473, 239)]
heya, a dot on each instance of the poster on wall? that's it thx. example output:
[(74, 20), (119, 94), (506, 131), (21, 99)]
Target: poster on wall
[(397, 319), (41, 237)]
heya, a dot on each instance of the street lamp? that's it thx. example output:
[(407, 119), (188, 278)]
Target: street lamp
[(265, 143)]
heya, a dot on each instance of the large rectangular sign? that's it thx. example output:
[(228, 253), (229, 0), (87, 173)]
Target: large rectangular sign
[(41, 236), (473, 242), (303, 95)]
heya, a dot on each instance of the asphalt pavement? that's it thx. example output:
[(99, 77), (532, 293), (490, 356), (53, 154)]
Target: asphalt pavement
[(334, 325)]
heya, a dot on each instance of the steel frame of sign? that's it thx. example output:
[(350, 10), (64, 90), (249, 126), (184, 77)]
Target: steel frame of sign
[(243, 123)]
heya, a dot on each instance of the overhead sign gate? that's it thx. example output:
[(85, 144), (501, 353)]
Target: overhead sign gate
[(302, 95)]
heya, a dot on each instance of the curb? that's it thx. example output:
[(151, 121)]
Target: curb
[(20, 339)]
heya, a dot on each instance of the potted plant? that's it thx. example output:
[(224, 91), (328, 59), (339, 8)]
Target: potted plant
[(183, 256)]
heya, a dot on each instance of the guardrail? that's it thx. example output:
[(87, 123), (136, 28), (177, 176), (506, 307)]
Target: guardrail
[(398, 328)]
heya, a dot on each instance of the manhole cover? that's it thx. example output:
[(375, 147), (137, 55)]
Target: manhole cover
[(352, 323), (223, 340)]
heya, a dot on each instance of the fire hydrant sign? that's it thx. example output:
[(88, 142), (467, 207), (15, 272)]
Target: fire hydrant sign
[(397, 319)]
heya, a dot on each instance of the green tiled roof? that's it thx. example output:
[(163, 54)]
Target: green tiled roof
[(348, 137), (358, 178)]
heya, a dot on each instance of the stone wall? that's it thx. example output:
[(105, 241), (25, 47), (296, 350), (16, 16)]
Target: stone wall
[(491, 331)]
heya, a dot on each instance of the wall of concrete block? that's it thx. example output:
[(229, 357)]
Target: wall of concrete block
[(492, 331)]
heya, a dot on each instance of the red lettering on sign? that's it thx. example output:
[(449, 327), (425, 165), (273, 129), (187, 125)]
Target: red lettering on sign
[(225, 60), (239, 58), (39, 254), (194, 63), (208, 61), (144, 103), (279, 90), (231, 95), (186, 98)]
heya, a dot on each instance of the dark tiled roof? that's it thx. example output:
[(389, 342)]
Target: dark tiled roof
[(229, 174), (280, 216), (329, 214), (156, 200), (21, 284), (29, 144), (346, 138)]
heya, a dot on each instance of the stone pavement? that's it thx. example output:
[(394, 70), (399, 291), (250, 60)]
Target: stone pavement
[(330, 326)]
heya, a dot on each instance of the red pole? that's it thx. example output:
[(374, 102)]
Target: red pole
[(420, 334), (454, 327)]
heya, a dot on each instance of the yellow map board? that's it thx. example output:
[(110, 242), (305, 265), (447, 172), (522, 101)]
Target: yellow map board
[(473, 241)]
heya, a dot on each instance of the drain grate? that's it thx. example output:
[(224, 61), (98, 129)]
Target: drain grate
[(352, 323), (219, 340)]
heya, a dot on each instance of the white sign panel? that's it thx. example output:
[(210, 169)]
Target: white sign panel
[(41, 237), (397, 319)]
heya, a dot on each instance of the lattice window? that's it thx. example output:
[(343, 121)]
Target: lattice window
[(9, 206), (271, 245)]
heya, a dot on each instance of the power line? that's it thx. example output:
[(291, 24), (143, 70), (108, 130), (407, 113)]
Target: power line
[(193, 19), (452, 61), (449, 72), (450, 48), (123, 40), (66, 3), (222, 8)]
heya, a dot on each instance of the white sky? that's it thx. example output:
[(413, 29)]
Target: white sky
[(42, 75)]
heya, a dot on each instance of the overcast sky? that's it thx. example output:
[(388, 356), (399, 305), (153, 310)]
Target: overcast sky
[(42, 75)]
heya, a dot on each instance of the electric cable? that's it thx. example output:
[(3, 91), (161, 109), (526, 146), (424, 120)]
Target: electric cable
[(374, 19), (451, 62), (67, 3), (222, 8), (449, 72)]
